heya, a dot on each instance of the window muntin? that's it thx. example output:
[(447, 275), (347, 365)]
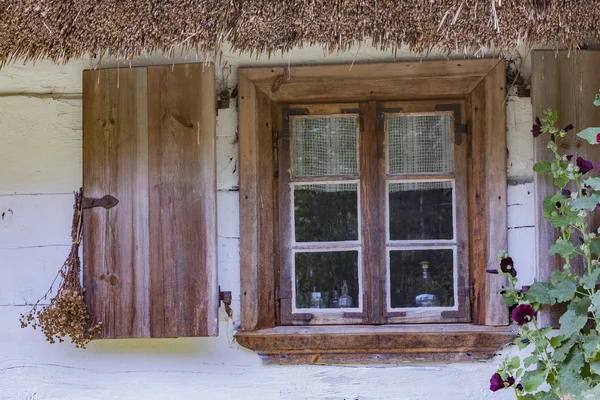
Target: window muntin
[(417, 201)]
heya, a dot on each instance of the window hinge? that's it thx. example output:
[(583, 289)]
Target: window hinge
[(381, 115), (459, 128), (276, 136), (282, 294), (468, 292), (225, 297), (361, 116)]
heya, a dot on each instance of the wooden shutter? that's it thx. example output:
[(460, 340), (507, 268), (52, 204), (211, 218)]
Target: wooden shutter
[(149, 141), (566, 82)]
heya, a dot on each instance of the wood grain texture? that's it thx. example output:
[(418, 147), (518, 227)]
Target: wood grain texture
[(487, 196), (567, 84), (369, 344), (182, 201), (115, 162), (149, 141), (372, 234), (377, 81)]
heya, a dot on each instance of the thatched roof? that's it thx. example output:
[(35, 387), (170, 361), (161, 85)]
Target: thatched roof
[(64, 29)]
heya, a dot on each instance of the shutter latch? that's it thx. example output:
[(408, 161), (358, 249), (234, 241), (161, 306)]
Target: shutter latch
[(225, 297), (106, 202)]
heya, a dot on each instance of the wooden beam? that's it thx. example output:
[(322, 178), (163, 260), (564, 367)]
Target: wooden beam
[(376, 344), (377, 81), (487, 195)]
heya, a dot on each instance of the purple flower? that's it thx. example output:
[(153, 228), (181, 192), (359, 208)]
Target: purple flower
[(510, 380), (523, 314), (508, 266), (537, 127), (565, 192), (585, 166), (598, 138), (492, 271), (496, 382), (569, 128), (569, 157), (519, 386)]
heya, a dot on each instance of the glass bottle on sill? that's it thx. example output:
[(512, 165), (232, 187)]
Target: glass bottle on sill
[(428, 287), (316, 301), (345, 300), (335, 299)]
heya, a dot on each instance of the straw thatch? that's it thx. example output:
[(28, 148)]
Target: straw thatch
[(64, 29)]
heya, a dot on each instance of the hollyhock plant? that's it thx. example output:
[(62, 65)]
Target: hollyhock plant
[(584, 165), (523, 314), (564, 363), (496, 382)]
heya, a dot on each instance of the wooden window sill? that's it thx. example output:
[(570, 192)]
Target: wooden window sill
[(377, 343)]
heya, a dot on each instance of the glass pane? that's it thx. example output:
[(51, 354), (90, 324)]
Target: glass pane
[(325, 146), (421, 210), (327, 279), (419, 144), (422, 278), (326, 212)]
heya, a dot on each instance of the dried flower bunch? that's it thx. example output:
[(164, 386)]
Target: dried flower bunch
[(67, 314), (563, 364)]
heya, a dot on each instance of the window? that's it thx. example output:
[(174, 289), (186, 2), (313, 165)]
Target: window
[(372, 201), (328, 250)]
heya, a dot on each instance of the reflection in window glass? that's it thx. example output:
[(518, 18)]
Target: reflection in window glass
[(327, 279), (422, 278), (419, 143), (326, 212), (421, 211), (325, 146)]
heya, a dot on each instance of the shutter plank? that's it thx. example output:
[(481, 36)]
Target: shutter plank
[(182, 190), (566, 83), (115, 162), (150, 267)]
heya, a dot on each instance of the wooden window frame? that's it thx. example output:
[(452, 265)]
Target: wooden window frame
[(481, 85)]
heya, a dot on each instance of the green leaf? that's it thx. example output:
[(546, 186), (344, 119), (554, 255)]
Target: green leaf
[(571, 323), (580, 305), (569, 379), (590, 281), (543, 167), (595, 247), (562, 247), (558, 275), (529, 361), (593, 182), (563, 291), (590, 348), (540, 396), (509, 301), (596, 300), (538, 293), (561, 352), (586, 203), (597, 100), (533, 380), (515, 362), (561, 181), (589, 134)]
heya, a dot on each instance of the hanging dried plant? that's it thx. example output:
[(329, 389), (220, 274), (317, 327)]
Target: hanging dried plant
[(67, 314)]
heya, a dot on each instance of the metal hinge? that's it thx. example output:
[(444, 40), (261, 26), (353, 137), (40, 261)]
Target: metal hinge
[(381, 115), (468, 292), (282, 294), (361, 116), (106, 202), (459, 128), (225, 298)]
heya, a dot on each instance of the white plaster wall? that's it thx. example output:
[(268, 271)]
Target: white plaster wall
[(40, 164)]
